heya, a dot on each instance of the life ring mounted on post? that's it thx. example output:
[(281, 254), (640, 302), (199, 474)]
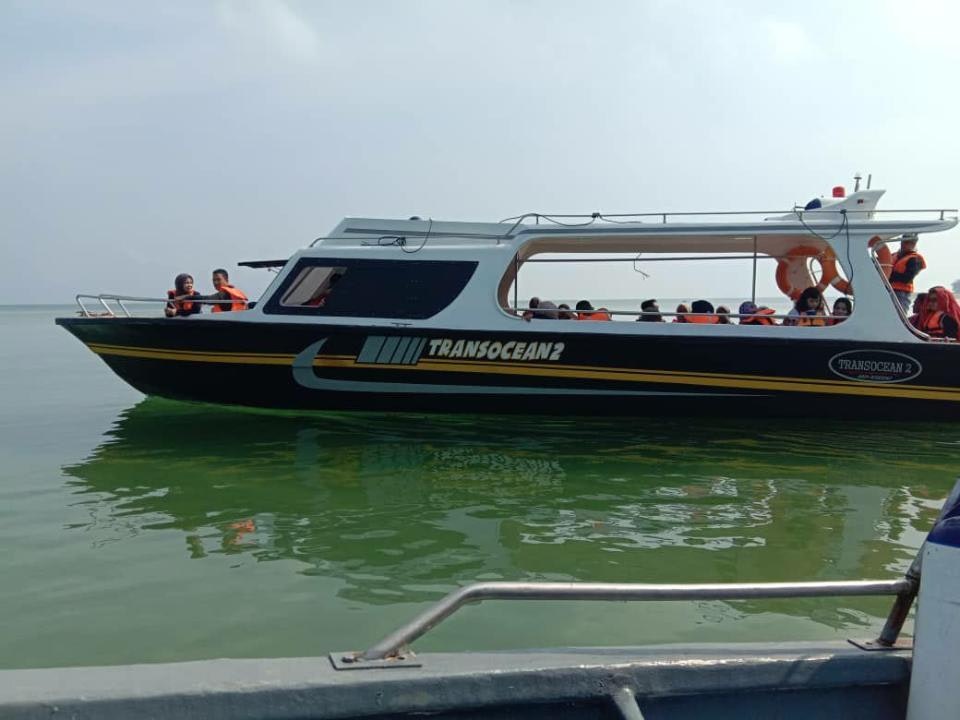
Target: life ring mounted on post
[(883, 254), (793, 272)]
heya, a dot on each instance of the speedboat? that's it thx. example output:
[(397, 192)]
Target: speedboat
[(422, 315)]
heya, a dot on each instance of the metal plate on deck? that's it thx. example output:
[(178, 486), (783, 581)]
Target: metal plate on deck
[(351, 660), (873, 645)]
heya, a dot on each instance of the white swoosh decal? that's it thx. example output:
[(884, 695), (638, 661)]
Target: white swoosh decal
[(304, 374)]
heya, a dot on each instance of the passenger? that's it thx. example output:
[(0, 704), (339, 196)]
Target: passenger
[(650, 311), (236, 300), (919, 303), (723, 315), (842, 309), (808, 309), (907, 264), (540, 309), (701, 312), (750, 314), (320, 299), (941, 315), (681, 316), (180, 305), (585, 311), (565, 313)]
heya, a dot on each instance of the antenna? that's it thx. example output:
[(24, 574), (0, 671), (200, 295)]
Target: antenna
[(857, 177), (869, 178)]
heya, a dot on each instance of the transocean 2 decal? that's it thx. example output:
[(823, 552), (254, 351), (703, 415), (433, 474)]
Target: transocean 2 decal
[(393, 353), (875, 366)]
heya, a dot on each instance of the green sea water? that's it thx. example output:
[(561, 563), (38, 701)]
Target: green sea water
[(144, 530)]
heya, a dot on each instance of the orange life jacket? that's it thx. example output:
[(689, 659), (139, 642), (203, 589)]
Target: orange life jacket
[(238, 301), (899, 279), (600, 314), (759, 317), (179, 305), (814, 320), (934, 325), (702, 319)]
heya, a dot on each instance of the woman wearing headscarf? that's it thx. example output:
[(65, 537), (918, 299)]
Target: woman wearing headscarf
[(940, 316), (181, 303)]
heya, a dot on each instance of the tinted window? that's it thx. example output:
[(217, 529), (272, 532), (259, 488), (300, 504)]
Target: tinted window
[(412, 289)]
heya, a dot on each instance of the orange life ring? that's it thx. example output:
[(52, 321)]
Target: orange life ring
[(793, 274), (884, 256)]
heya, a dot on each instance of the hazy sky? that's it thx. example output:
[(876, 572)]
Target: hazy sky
[(139, 140)]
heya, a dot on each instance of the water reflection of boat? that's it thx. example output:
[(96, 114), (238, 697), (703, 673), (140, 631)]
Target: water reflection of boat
[(418, 504)]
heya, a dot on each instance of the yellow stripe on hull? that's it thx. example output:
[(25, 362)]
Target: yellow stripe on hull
[(579, 372)]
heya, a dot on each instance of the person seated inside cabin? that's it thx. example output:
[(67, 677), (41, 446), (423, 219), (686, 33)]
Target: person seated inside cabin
[(223, 290), (585, 311), (650, 311), (809, 309), (941, 314), (701, 312), (751, 314), (565, 313), (681, 316), (540, 310), (919, 303), (319, 299), (842, 309), (723, 315), (181, 298)]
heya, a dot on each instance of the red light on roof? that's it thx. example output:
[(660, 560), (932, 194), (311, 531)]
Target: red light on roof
[(839, 191)]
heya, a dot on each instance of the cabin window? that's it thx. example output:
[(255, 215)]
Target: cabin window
[(408, 289), (313, 286), (692, 280)]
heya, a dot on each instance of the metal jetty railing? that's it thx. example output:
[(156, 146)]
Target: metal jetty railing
[(905, 590)]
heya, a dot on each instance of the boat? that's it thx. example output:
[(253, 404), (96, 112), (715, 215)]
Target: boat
[(887, 677), (421, 315)]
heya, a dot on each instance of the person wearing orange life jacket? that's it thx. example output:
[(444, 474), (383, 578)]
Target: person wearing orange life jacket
[(701, 312), (750, 314), (808, 309), (180, 304), (234, 298), (842, 309), (940, 317), (907, 264), (919, 303), (585, 311)]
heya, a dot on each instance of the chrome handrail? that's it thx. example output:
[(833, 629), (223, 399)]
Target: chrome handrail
[(478, 592), (538, 311), (103, 299), (905, 590)]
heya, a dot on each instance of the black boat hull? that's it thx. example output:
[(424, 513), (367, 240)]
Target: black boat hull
[(336, 367)]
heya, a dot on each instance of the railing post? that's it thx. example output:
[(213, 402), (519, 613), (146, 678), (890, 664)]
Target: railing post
[(901, 606)]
